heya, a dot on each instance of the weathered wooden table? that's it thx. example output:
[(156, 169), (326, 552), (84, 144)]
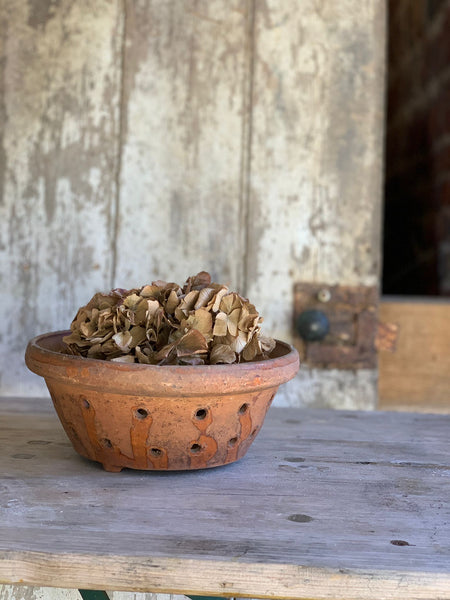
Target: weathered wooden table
[(342, 505)]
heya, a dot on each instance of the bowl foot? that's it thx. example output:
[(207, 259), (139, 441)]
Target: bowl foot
[(112, 468)]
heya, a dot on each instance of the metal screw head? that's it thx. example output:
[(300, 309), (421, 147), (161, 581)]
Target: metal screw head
[(312, 325), (324, 295)]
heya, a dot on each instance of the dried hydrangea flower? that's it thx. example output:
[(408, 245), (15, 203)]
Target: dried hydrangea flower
[(166, 324)]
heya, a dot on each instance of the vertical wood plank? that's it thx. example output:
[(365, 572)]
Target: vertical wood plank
[(314, 206), (415, 375), (59, 98), (185, 117)]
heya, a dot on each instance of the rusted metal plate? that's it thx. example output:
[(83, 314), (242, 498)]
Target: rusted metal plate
[(352, 315)]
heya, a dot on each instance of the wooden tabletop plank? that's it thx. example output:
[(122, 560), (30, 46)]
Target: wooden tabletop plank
[(312, 511)]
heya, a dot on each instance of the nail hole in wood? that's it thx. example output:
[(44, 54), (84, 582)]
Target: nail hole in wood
[(400, 543), (300, 518)]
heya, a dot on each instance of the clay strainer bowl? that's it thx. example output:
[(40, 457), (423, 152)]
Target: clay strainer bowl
[(159, 417)]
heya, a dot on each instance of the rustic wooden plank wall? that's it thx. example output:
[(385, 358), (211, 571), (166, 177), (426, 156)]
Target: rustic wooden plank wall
[(151, 138), (316, 164), (185, 115), (59, 93)]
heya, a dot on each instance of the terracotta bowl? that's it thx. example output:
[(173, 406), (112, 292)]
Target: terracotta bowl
[(159, 417)]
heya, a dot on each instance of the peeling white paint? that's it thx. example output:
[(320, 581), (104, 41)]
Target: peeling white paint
[(61, 98)]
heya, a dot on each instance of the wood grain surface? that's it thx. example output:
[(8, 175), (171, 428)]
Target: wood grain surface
[(59, 93), (416, 374), (185, 108), (325, 505), (316, 93)]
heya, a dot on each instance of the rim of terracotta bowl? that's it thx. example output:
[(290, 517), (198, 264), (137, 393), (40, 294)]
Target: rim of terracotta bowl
[(44, 357)]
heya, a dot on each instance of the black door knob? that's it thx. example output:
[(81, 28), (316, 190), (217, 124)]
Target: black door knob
[(312, 325)]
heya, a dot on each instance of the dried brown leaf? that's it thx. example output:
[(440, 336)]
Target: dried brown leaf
[(145, 355), (172, 302), (74, 338), (267, 344), (150, 291), (204, 297), (217, 299), (102, 301), (110, 348), (187, 304), (166, 351), (222, 353), (252, 349), (123, 341), (233, 320), (138, 335), (99, 338), (201, 320), (230, 302), (153, 307), (126, 358), (220, 325), (197, 282), (193, 342), (239, 342), (95, 351)]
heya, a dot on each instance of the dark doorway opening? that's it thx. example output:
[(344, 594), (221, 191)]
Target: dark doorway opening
[(417, 183)]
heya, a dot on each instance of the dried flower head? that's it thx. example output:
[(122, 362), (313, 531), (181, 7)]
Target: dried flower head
[(166, 324)]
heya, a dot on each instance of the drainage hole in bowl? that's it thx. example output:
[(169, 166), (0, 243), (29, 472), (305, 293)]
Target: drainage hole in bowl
[(106, 443), (155, 452), (233, 441), (243, 409), (201, 414), (141, 413), (195, 448)]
